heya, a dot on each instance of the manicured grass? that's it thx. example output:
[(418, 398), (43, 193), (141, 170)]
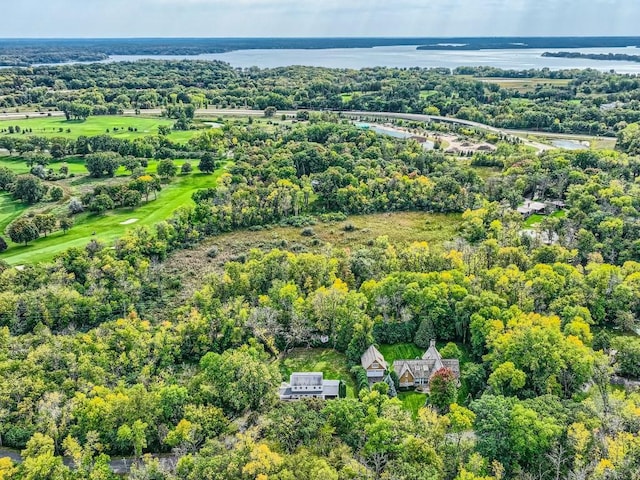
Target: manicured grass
[(19, 166), (331, 363), (412, 401), (536, 219), (347, 97), (401, 351), (92, 126), (76, 165), (10, 209), (108, 227)]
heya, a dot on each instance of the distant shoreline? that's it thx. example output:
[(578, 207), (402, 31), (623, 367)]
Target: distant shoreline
[(615, 57), (28, 52)]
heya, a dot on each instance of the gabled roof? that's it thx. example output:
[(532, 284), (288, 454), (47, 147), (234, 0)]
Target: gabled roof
[(418, 368), (432, 352), (434, 355), (401, 367), (426, 366), (452, 364), (372, 355), (306, 379)]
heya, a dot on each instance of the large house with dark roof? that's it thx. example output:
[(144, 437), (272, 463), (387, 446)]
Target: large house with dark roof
[(374, 364), (309, 385), (417, 373), (412, 373)]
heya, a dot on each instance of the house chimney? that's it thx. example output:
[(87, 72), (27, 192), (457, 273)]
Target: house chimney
[(432, 343)]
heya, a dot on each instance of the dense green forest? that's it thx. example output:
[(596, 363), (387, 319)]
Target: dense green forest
[(168, 345), (574, 106)]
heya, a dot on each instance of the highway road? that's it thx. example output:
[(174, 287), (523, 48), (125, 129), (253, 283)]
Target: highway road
[(541, 147)]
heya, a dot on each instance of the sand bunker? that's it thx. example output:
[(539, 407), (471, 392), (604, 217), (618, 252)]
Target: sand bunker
[(129, 222)]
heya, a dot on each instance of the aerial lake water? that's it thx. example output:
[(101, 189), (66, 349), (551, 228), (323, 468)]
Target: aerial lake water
[(409, 56)]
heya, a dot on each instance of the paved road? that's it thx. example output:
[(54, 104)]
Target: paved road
[(118, 465), (541, 147), (23, 115), (417, 117)]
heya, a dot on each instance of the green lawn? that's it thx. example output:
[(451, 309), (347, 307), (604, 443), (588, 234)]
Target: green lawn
[(107, 227), (19, 166), (347, 97), (536, 219), (76, 166), (60, 127), (412, 401), (400, 351), (330, 362), (524, 85), (9, 210)]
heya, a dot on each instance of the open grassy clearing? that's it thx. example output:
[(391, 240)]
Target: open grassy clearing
[(487, 172), (347, 97), (424, 94), (108, 227), (400, 351), (98, 125), (19, 166), (535, 219), (401, 227), (331, 363), (77, 167), (10, 209), (526, 84)]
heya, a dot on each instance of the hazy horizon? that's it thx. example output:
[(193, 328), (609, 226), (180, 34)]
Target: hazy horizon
[(257, 37), (74, 19)]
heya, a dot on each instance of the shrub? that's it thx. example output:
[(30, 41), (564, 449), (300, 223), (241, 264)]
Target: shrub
[(186, 168), (3, 244), (56, 193), (299, 221), (360, 376), (333, 217), (101, 203), (213, 252), (307, 232), (349, 227), (7, 177), (75, 206)]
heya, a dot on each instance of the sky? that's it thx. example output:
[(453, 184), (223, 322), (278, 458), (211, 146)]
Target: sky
[(317, 18)]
